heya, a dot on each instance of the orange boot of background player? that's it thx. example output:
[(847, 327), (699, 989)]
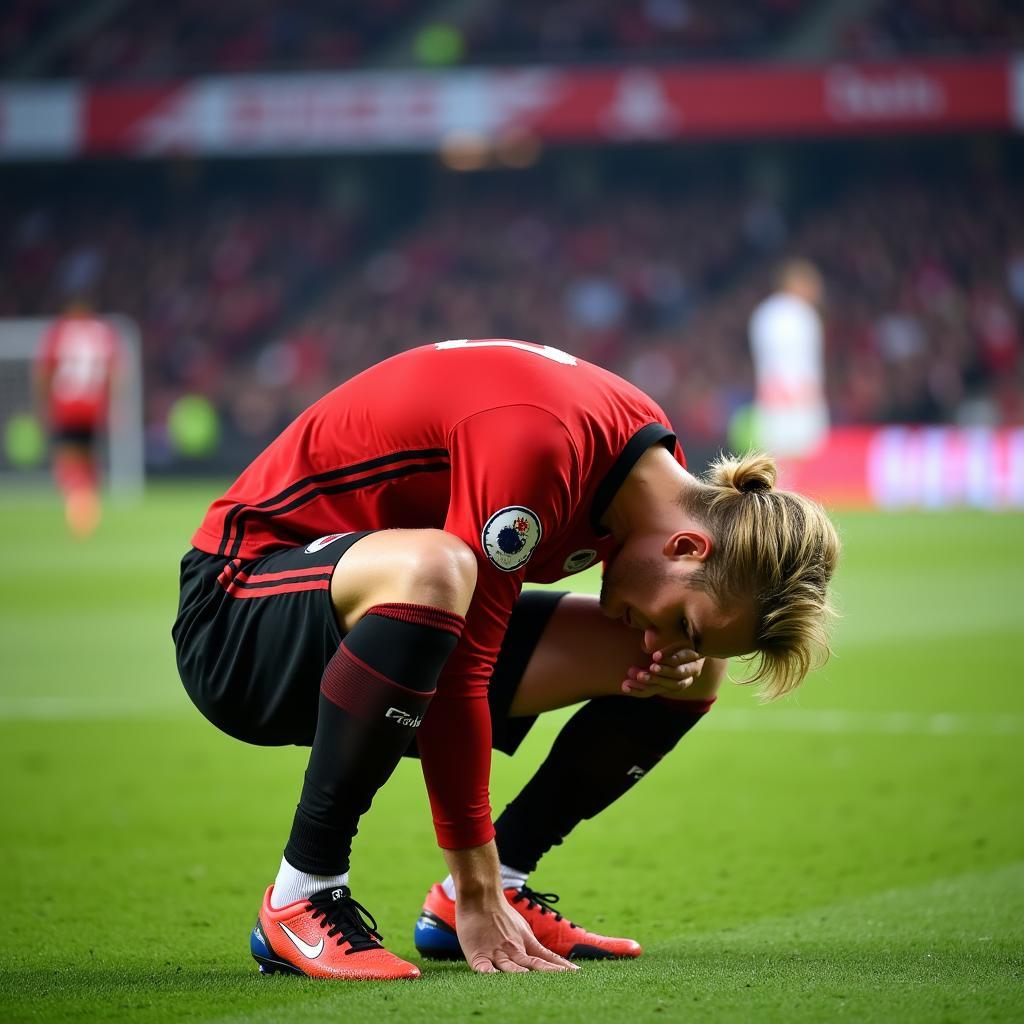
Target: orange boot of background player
[(76, 478)]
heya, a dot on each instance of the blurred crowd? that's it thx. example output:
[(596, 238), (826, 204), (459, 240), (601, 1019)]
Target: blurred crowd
[(135, 40), (192, 36), (924, 307), (583, 30), (894, 27), (204, 278), (263, 300), (24, 24)]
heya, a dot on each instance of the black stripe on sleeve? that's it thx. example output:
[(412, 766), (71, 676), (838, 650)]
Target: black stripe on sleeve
[(317, 478), (338, 488)]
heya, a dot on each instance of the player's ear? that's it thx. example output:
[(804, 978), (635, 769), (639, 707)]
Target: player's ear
[(689, 542)]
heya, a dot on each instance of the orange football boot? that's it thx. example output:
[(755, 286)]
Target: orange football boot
[(327, 936), (436, 939)]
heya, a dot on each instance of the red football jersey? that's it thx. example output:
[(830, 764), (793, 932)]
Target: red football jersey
[(78, 356), (515, 448)]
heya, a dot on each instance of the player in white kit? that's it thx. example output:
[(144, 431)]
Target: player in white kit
[(787, 345)]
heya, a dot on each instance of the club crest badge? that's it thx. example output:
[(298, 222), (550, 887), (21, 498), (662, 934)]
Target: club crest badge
[(579, 560), (510, 536)]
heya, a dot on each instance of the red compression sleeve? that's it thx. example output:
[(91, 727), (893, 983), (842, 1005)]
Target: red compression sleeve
[(455, 747)]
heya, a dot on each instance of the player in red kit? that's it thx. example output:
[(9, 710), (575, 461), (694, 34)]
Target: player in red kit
[(358, 589), (75, 369)]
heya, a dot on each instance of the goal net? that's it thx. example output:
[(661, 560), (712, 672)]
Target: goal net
[(123, 450)]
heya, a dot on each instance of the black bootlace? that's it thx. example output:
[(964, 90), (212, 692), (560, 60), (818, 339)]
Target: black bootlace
[(544, 900), (343, 916)]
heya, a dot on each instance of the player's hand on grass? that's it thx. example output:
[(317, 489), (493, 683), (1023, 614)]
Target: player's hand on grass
[(495, 939), (669, 674)]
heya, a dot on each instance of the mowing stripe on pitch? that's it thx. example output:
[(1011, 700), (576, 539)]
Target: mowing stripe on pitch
[(877, 723)]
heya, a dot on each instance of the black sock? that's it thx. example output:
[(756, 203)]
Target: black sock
[(373, 695), (607, 746)]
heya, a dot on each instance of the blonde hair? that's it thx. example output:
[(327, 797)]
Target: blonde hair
[(776, 546)]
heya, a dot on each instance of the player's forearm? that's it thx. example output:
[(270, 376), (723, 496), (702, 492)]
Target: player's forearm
[(476, 874), (455, 754)]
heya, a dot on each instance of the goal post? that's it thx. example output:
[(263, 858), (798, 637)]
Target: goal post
[(123, 444)]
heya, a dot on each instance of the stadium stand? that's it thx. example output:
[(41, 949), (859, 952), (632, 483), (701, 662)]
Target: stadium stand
[(24, 21), (263, 298), (259, 287), (141, 42), (585, 30), (204, 273), (894, 27), (128, 40)]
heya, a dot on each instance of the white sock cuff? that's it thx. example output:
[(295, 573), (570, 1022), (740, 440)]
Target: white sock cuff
[(513, 878), (292, 884)]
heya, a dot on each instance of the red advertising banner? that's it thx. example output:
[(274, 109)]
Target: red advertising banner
[(420, 110), (914, 467)]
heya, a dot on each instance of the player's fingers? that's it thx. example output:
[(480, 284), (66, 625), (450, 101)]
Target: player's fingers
[(676, 659), (633, 681), (688, 671), (669, 657), (541, 952), (482, 965), (634, 689), (534, 963), (507, 965)]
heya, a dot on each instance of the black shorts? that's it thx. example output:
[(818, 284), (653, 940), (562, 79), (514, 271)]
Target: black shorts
[(253, 638), (78, 437)]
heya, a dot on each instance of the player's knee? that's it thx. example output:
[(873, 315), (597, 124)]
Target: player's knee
[(442, 572)]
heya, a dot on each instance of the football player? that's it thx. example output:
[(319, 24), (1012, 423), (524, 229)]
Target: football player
[(75, 369), (359, 589)]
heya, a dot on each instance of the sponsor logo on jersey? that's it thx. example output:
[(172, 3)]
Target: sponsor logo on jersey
[(402, 718), (579, 559), (321, 542), (510, 536)]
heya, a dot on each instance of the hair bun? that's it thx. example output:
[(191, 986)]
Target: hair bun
[(753, 473)]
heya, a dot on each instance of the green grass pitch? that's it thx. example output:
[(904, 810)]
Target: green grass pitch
[(855, 853)]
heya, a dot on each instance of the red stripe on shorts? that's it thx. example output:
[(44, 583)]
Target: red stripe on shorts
[(287, 574), (236, 590)]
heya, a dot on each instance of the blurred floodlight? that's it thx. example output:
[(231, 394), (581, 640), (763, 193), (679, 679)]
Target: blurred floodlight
[(465, 151), (439, 45), (193, 426), (24, 443), (742, 429), (518, 149)]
